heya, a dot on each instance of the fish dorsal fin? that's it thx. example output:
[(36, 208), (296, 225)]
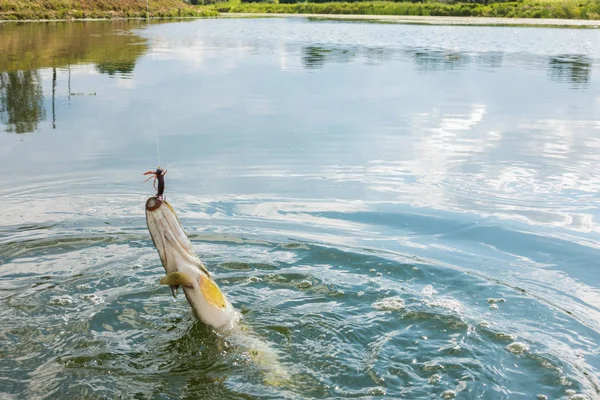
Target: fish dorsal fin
[(177, 278), (212, 293)]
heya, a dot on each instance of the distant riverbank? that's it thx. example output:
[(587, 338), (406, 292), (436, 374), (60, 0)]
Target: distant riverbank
[(526, 12), (93, 9), (528, 9)]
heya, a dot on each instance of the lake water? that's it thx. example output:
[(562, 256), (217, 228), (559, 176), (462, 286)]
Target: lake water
[(399, 210)]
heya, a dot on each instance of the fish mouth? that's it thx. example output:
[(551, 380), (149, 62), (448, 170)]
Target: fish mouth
[(169, 238), (153, 203)]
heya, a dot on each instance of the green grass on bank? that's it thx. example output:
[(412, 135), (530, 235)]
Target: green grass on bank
[(71, 9), (77, 9), (567, 9)]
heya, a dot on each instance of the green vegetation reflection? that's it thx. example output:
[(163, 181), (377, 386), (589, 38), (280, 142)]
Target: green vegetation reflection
[(26, 48), (21, 101), (573, 69)]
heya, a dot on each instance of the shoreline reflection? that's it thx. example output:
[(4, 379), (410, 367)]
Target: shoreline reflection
[(28, 48)]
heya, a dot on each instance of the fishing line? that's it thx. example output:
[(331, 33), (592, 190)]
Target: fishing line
[(157, 151), (150, 45)]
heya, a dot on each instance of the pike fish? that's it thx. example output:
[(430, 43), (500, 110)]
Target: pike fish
[(185, 270)]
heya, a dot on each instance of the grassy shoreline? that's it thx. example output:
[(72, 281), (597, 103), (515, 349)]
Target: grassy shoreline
[(17, 10), (44, 10), (542, 9)]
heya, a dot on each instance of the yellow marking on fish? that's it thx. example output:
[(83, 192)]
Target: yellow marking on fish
[(211, 292), (177, 278)]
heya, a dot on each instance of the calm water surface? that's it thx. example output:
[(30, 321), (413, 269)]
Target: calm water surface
[(401, 211)]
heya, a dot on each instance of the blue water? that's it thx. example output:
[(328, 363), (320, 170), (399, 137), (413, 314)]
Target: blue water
[(399, 211)]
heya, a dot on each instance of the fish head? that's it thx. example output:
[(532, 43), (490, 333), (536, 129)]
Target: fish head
[(173, 246)]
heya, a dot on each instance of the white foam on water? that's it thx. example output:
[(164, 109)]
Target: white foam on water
[(304, 284), (517, 347), (61, 301), (428, 291), (448, 304), (505, 336), (435, 378), (389, 304), (94, 298), (579, 396)]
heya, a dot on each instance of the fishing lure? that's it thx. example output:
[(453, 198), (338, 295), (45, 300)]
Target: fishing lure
[(158, 175)]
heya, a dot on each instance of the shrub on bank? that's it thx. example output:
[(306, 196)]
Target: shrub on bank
[(76, 9), (567, 9)]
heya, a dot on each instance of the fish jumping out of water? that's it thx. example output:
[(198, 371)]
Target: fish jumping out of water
[(185, 269)]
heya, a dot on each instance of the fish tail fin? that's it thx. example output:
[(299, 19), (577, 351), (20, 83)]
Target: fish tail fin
[(266, 358)]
